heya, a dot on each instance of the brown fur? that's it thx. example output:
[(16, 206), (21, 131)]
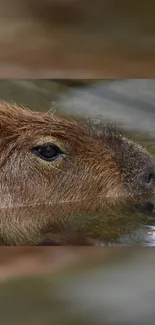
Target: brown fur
[(79, 196)]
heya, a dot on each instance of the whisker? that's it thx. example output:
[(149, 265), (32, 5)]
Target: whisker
[(54, 202)]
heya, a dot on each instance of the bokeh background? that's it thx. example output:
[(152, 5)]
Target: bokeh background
[(77, 39), (102, 286)]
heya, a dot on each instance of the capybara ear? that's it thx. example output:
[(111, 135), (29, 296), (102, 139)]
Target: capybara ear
[(11, 110), (11, 115)]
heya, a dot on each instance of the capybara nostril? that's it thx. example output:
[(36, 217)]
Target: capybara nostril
[(147, 179)]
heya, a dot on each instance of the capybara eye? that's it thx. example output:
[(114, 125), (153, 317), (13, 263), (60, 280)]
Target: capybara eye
[(47, 151)]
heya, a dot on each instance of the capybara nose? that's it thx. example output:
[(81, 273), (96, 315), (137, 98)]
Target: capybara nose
[(147, 178)]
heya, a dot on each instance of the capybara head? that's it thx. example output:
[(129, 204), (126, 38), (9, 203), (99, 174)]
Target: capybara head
[(68, 178)]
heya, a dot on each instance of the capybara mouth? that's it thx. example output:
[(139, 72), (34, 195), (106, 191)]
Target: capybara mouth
[(146, 208)]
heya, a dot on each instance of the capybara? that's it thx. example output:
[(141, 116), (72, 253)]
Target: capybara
[(69, 181)]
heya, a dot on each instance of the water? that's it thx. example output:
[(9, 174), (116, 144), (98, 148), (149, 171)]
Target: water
[(130, 103)]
